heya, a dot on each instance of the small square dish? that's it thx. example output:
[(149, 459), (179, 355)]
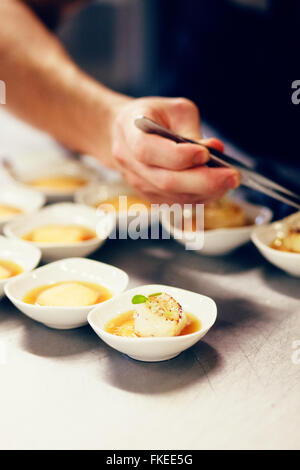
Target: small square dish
[(63, 230), (40, 294), (16, 258), (153, 349)]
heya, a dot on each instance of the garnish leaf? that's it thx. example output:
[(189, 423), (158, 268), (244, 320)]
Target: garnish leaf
[(156, 293), (139, 299)]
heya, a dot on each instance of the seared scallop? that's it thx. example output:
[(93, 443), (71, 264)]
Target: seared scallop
[(160, 315)]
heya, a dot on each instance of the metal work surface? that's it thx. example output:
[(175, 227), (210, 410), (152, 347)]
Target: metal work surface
[(239, 388)]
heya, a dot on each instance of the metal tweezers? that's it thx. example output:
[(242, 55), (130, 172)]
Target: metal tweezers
[(250, 178)]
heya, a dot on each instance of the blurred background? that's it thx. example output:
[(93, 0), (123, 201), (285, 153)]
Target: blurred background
[(237, 59)]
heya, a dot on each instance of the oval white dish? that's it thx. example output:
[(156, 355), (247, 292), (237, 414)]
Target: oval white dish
[(262, 237), (153, 349), (23, 254), (19, 196), (97, 193), (31, 170), (72, 269), (224, 240), (64, 214)]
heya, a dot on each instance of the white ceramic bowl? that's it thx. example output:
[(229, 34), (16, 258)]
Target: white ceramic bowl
[(221, 241), (65, 214), (97, 193), (31, 170), (153, 349), (262, 237), (72, 269), (21, 253), (21, 197)]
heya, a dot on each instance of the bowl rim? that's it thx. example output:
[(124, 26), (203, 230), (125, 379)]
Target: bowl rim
[(157, 339), (260, 244), (57, 308), (40, 200), (9, 227), (36, 256), (81, 194)]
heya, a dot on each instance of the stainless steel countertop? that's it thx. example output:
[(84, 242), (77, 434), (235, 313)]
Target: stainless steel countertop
[(238, 388)]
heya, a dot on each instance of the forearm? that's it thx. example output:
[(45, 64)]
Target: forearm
[(45, 87)]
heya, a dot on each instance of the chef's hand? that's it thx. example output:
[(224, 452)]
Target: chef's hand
[(159, 169)]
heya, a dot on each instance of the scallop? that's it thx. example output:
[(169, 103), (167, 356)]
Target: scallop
[(161, 315), (223, 214)]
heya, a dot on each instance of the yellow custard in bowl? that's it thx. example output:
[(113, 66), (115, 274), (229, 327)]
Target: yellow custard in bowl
[(9, 269), (67, 294), (8, 211), (67, 183), (56, 233), (217, 215)]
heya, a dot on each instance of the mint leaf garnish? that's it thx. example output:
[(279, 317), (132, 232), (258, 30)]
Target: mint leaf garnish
[(139, 299)]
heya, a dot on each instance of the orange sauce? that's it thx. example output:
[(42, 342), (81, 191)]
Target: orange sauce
[(59, 183), (278, 244), (60, 234), (123, 325), (7, 211), (122, 205), (286, 244), (103, 293), (9, 269)]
